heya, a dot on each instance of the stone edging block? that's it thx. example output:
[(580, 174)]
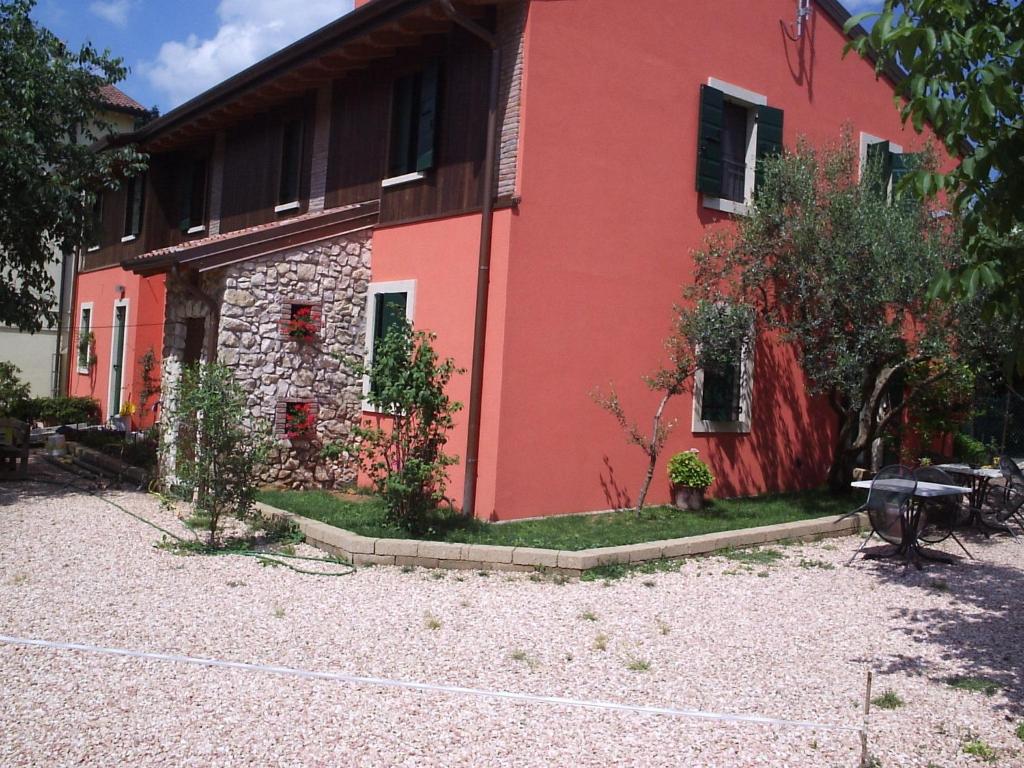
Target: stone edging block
[(363, 550)]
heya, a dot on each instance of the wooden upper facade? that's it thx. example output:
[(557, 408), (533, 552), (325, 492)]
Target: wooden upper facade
[(390, 106)]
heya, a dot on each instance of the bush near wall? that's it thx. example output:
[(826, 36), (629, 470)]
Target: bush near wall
[(54, 411)]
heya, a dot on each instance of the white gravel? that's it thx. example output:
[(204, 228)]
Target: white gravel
[(790, 640)]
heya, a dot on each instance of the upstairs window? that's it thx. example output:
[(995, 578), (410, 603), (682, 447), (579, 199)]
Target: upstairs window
[(134, 199), (193, 197), (95, 239), (891, 162), (413, 124), (737, 130), (291, 165)]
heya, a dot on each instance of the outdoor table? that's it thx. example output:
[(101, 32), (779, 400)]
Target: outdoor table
[(979, 478), (910, 546)]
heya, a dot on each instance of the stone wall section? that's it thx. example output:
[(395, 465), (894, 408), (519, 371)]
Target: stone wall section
[(272, 367), (511, 26)]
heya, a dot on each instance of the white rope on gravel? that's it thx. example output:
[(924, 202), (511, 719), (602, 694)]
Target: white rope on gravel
[(412, 685)]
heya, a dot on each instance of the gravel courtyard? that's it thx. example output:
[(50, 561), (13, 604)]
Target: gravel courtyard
[(789, 639)]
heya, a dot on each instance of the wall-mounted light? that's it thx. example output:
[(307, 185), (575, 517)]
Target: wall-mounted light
[(120, 289), (803, 12)]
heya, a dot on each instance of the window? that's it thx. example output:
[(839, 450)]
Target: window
[(296, 419), (96, 223), (134, 200), (86, 341), (386, 304), (893, 163), (291, 166), (737, 130), (193, 197), (413, 125), (300, 320), (722, 396)]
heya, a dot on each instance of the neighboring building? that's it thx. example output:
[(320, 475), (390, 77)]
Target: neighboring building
[(41, 356), (343, 176)]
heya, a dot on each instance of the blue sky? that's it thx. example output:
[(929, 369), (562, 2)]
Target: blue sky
[(176, 49)]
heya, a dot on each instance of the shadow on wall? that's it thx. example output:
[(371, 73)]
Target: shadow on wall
[(790, 443), (616, 496)]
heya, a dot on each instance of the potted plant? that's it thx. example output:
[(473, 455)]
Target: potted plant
[(689, 477)]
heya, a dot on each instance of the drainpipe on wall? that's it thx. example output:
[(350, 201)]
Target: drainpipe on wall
[(213, 306), (476, 383)]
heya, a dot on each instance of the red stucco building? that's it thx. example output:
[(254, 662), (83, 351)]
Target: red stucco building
[(347, 174)]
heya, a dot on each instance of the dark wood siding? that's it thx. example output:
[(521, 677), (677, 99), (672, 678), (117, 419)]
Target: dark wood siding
[(252, 163), (112, 250), (361, 128)]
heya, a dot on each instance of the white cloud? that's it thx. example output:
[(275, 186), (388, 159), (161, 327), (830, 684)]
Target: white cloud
[(249, 30), (114, 11)]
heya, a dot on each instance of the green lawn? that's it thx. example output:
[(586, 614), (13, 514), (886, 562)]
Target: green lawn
[(573, 531)]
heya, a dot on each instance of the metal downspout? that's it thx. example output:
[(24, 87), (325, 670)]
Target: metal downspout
[(484, 266)]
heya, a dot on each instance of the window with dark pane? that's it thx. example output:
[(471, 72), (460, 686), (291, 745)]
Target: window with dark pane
[(291, 161), (193, 195), (720, 398), (135, 191), (96, 222), (413, 121), (734, 152), (389, 311), (84, 337)]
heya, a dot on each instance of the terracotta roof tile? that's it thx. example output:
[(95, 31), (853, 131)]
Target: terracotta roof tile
[(114, 97)]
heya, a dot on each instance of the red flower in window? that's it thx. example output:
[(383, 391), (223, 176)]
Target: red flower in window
[(299, 421), (302, 325)]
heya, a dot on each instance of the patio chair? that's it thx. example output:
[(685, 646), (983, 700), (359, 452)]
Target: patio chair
[(888, 501), (939, 514), (1012, 473), (1003, 503)]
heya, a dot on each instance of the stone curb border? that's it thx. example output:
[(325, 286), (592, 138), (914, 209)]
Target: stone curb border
[(363, 550)]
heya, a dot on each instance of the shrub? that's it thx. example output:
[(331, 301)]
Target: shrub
[(13, 391), (217, 447), (969, 449), (403, 452), (54, 411), (688, 470)]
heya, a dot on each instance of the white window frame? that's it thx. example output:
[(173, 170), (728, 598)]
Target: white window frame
[(408, 287), (405, 178), (742, 425), (126, 303), (867, 139), (750, 100), (85, 305)]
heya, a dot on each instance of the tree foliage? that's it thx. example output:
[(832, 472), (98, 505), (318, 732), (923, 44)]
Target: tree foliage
[(704, 334), (965, 77), (49, 177), (402, 450), (842, 274)]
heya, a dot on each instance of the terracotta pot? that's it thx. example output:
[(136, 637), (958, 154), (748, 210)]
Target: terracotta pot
[(685, 497)]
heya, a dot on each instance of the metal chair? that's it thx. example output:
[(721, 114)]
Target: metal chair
[(888, 504), (1012, 473), (940, 514)]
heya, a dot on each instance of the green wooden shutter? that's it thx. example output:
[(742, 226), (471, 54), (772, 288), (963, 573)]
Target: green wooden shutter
[(709, 142), (401, 126), (769, 138), (425, 136), (901, 164), (879, 160)]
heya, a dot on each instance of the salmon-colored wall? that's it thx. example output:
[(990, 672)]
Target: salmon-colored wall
[(601, 244), (145, 327), (442, 256)]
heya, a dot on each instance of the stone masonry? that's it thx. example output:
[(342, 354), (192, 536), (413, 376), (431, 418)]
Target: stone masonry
[(255, 299)]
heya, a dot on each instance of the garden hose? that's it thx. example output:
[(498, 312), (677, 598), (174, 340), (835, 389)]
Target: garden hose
[(274, 559)]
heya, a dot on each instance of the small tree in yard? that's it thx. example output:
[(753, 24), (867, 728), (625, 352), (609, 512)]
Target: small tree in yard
[(706, 335), (402, 452), (842, 273), (218, 447)]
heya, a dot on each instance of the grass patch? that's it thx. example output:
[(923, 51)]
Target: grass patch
[(888, 700), (525, 658), (431, 622), (974, 684), (571, 532), (601, 642), (1020, 731), (638, 665), (619, 571), (979, 748), (755, 556), (588, 616)]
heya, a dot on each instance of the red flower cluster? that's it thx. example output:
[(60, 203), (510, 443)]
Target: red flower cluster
[(299, 420), (302, 325)]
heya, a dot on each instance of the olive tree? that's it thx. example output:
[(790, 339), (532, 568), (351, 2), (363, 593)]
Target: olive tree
[(840, 268)]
